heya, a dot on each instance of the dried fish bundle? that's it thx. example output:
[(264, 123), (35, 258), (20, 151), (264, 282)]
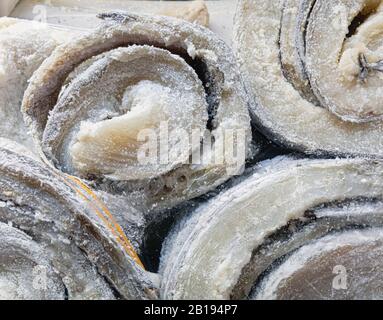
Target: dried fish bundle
[(58, 241), (314, 68), (23, 47), (114, 107), (296, 229)]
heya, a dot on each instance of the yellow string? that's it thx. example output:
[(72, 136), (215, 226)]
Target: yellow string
[(106, 216)]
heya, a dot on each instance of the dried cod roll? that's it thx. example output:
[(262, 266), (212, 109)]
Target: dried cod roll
[(296, 229), (58, 241), (99, 102), (314, 68), (23, 47)]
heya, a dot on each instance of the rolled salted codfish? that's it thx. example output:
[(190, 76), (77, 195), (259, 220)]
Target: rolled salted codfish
[(130, 106), (296, 229), (314, 68), (23, 47), (58, 241)]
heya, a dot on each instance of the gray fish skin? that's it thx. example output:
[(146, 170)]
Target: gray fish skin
[(79, 247), (282, 112), (220, 250)]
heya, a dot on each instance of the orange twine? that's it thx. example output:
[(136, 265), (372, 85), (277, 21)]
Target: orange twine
[(105, 215)]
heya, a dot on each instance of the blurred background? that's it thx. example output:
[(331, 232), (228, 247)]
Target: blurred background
[(81, 14)]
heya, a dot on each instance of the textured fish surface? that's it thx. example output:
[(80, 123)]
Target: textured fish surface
[(225, 248), (314, 69)]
